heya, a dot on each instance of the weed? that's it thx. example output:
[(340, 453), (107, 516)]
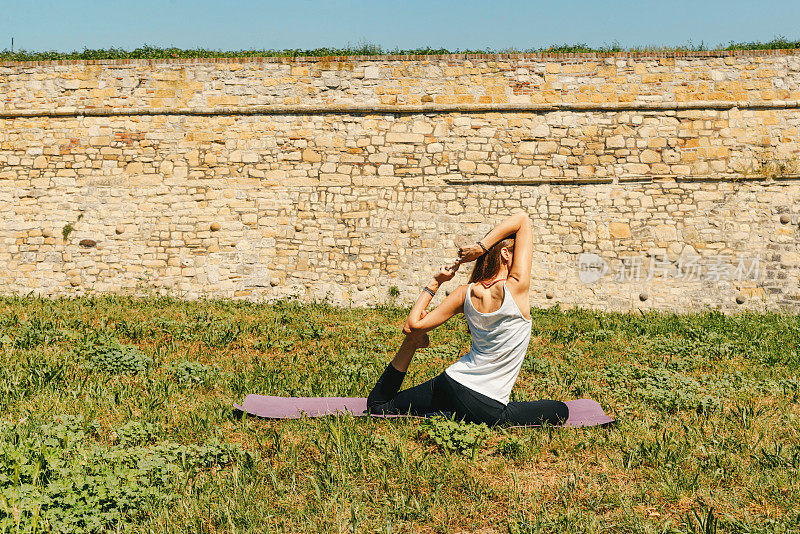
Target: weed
[(69, 227), (104, 353), (35, 332), (660, 388), (136, 433), (456, 436), (191, 372), (369, 49), (511, 446)]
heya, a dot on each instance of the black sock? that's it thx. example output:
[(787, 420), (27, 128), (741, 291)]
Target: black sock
[(387, 386)]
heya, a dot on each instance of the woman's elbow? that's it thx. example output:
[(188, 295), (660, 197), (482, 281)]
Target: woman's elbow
[(414, 325), (523, 217), (409, 328)]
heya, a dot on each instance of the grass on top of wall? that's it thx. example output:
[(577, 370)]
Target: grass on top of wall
[(116, 416), (366, 49)]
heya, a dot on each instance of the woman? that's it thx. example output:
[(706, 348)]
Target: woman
[(478, 386)]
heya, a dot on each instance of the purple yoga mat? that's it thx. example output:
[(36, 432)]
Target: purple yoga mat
[(582, 412)]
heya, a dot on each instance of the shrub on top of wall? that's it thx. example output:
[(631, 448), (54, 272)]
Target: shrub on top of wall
[(365, 49)]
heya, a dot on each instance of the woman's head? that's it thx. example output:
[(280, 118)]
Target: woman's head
[(499, 256)]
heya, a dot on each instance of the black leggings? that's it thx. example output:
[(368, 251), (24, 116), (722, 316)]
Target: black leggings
[(442, 394)]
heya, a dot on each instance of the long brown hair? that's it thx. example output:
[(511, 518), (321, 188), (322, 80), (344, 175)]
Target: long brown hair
[(488, 265)]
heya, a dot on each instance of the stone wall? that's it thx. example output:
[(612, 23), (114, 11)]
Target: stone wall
[(652, 181)]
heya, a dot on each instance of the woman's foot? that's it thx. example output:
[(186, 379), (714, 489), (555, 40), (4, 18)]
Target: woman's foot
[(412, 342), (419, 340)]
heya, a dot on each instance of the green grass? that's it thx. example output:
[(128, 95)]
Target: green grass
[(369, 49), (116, 416)]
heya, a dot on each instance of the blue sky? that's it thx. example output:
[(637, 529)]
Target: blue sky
[(238, 24)]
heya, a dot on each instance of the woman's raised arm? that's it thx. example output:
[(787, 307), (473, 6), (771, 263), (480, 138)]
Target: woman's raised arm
[(523, 253), (520, 224)]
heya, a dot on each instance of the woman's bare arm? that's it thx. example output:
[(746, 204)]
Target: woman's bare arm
[(522, 261), (417, 319), (520, 224), (450, 306)]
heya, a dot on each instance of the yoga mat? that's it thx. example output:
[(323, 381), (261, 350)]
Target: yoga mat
[(582, 412)]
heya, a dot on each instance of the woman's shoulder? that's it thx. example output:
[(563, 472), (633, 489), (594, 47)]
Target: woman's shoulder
[(458, 296), (461, 290)]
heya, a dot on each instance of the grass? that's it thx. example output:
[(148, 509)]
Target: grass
[(117, 416), (369, 49)]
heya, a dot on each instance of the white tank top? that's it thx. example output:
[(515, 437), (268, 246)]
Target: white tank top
[(499, 343)]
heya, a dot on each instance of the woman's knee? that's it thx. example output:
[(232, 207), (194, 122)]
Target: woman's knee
[(536, 413), (554, 412)]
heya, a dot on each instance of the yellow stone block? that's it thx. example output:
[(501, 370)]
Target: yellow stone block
[(619, 230), (311, 156), (607, 70)]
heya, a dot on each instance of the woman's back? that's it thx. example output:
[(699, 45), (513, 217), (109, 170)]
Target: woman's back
[(499, 343), (489, 299)]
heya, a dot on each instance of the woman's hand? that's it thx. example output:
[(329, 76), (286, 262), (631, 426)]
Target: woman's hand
[(469, 253), (447, 273)]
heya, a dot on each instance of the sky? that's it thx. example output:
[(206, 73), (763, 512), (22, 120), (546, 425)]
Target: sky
[(68, 25)]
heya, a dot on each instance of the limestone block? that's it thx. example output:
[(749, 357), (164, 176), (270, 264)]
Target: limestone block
[(434, 148), (619, 230), (649, 156), (421, 127), (665, 232), (466, 166), (505, 170), (547, 147), (541, 130), (790, 258), (399, 137), (311, 156), (531, 171)]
